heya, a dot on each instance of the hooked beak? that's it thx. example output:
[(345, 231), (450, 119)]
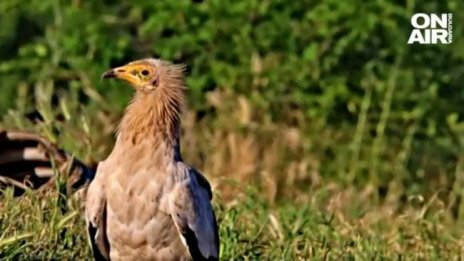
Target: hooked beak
[(114, 73), (123, 73), (109, 74)]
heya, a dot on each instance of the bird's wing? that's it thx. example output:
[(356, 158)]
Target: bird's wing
[(193, 214), (28, 160), (95, 217)]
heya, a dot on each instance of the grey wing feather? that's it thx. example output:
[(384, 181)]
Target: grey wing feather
[(98, 242), (194, 216), (95, 217)]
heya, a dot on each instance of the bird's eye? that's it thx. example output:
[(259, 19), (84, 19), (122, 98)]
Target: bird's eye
[(145, 72)]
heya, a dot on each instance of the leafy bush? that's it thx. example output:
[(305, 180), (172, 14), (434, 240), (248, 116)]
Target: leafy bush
[(370, 108)]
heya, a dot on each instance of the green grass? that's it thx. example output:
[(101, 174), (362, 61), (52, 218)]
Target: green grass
[(334, 225)]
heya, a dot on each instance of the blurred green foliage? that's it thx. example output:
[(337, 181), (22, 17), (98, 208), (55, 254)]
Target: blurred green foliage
[(394, 111)]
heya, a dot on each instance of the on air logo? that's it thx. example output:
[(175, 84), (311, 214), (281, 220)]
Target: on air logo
[(431, 29)]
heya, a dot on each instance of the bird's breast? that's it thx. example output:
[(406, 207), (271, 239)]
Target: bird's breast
[(137, 224)]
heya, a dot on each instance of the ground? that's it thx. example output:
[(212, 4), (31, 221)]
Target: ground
[(335, 225)]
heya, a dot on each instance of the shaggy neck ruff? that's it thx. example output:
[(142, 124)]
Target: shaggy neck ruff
[(153, 115)]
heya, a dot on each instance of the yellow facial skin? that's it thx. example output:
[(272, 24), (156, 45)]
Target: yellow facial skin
[(137, 74)]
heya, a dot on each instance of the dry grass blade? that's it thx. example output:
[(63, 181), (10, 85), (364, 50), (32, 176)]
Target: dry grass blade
[(11, 240)]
